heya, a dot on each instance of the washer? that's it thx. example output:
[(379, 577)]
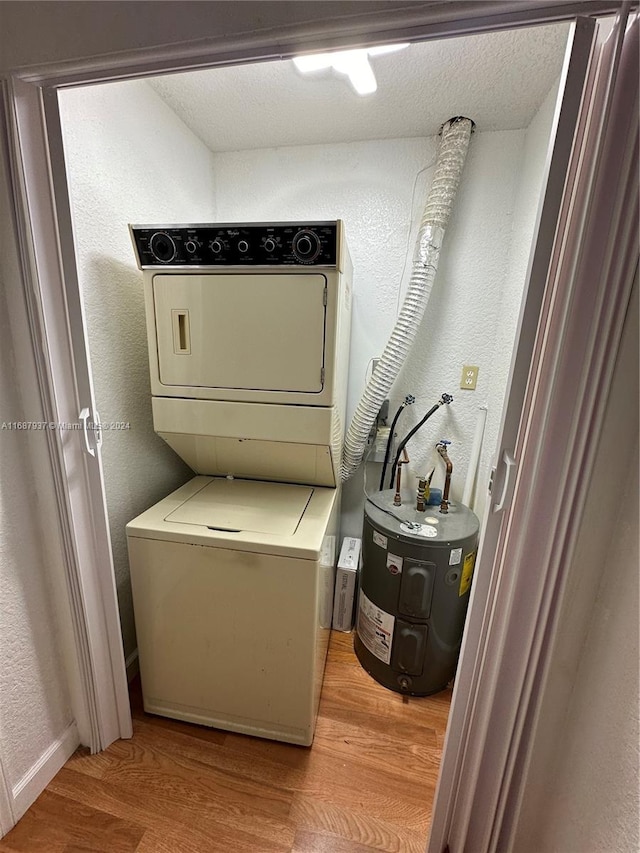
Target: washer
[(233, 574), (233, 626)]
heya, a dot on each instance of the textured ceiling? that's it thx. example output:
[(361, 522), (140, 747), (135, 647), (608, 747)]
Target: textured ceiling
[(497, 79)]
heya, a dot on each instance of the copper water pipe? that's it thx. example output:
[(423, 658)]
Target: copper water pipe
[(441, 447)]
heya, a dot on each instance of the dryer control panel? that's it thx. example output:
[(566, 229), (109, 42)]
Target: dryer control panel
[(237, 245)]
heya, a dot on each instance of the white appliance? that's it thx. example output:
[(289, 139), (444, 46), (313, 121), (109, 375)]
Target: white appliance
[(233, 574)]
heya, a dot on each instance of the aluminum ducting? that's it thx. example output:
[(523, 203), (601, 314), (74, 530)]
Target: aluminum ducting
[(453, 151)]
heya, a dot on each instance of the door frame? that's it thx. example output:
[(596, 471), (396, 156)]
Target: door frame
[(591, 271), (45, 240)]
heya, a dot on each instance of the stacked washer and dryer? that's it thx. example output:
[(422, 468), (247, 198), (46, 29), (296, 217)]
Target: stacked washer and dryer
[(232, 574)]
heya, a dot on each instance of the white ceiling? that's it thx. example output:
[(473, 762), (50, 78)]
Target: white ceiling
[(497, 79)]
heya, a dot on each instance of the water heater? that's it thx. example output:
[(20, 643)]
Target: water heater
[(414, 592)]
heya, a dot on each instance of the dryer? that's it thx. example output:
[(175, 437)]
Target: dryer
[(232, 574)]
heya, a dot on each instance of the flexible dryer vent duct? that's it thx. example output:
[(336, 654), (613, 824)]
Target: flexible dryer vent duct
[(453, 151)]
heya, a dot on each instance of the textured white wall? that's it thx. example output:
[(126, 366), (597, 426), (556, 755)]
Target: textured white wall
[(520, 245), (370, 185), (465, 312), (129, 159), (34, 701), (584, 771)]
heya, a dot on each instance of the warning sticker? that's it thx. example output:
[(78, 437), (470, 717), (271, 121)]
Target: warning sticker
[(467, 573), (379, 539), (394, 563), (455, 556), (375, 628)]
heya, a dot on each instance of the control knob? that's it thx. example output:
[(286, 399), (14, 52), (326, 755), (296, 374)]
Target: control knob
[(270, 245), (190, 246), (162, 247), (216, 246), (243, 247), (306, 246)]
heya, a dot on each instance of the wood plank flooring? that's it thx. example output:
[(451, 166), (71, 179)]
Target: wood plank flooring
[(367, 783)]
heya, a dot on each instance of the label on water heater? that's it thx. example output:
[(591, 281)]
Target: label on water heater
[(455, 555), (379, 539), (467, 573), (375, 628), (394, 563)]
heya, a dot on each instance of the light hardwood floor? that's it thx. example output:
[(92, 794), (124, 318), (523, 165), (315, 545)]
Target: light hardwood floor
[(367, 783)]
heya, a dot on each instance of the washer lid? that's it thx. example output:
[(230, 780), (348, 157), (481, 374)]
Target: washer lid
[(245, 505)]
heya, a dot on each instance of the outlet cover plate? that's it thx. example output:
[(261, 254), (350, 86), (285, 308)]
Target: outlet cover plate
[(469, 378)]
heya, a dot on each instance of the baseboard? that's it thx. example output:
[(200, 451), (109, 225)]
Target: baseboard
[(132, 665), (36, 779)]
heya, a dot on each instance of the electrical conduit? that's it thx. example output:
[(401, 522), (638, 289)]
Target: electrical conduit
[(453, 151)]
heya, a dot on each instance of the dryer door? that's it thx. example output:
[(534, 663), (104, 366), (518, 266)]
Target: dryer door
[(259, 332)]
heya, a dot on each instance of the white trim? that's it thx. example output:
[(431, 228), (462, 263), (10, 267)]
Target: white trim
[(38, 776), (99, 695), (132, 665), (571, 372), (602, 272), (99, 594), (27, 265), (284, 32)]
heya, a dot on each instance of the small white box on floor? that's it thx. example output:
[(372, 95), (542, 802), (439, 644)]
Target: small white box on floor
[(346, 584)]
